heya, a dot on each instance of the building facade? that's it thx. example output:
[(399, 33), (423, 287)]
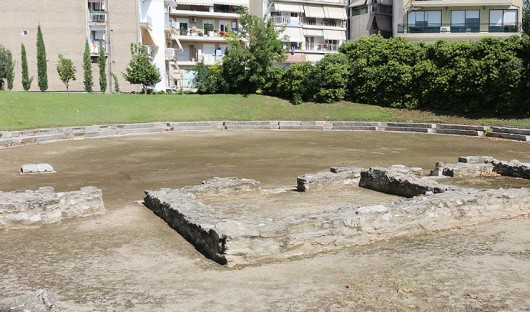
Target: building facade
[(369, 17), (311, 28), (66, 25), (430, 20)]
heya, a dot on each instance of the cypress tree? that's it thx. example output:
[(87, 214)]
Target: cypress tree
[(10, 75), (26, 80), (87, 69), (102, 61), (42, 70)]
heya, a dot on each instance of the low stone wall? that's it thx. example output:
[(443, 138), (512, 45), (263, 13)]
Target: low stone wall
[(244, 241), (482, 166), (23, 208), (400, 182), (14, 138), (38, 301), (431, 206), (336, 176)]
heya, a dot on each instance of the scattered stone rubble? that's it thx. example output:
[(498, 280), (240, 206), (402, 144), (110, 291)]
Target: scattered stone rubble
[(23, 208), (430, 206), (38, 301)]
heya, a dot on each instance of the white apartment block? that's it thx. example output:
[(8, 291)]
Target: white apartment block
[(180, 33), (311, 28)]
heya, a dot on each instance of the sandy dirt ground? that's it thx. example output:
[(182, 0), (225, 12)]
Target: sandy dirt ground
[(130, 260)]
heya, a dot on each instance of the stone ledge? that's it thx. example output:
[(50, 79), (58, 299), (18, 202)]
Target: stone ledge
[(16, 138)]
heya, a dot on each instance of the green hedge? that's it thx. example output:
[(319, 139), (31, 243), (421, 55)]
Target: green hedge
[(490, 76)]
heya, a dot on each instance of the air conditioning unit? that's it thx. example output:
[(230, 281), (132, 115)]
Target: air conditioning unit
[(445, 29), (193, 19)]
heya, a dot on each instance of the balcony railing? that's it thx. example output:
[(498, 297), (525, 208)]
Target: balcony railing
[(459, 28), (98, 17), (321, 47)]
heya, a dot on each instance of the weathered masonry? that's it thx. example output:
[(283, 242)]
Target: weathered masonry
[(427, 206)]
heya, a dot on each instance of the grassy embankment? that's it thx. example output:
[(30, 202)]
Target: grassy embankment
[(25, 110)]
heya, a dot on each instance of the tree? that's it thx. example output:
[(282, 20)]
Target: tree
[(26, 80), (116, 83), (140, 70), (87, 69), (66, 70), (251, 53), (42, 69), (5, 63), (10, 75), (526, 17), (102, 62), (209, 79)]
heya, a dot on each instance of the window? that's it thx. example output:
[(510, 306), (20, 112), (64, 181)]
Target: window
[(24, 33), (424, 21), (465, 21), (359, 10), (503, 21), (96, 6)]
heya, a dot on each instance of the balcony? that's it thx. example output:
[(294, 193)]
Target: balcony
[(97, 17), (207, 14), (320, 47), (459, 3), (147, 22), (199, 34), (457, 31)]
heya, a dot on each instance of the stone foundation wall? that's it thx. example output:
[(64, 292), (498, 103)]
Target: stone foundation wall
[(22, 208), (247, 240)]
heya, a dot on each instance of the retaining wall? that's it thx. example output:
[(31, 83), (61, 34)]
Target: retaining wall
[(14, 138), (23, 208)]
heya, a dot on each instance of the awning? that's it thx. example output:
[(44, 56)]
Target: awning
[(287, 7), (195, 2), (295, 58), (291, 34), (147, 37), (384, 23), (316, 11), (232, 2), (335, 13), (313, 32), (334, 35), (355, 3)]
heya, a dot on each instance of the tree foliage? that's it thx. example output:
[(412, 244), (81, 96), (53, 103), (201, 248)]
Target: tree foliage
[(251, 53), (66, 71), (116, 83), (102, 62), (87, 69), (42, 67), (140, 69), (26, 80), (10, 75), (209, 79), (6, 62), (526, 17)]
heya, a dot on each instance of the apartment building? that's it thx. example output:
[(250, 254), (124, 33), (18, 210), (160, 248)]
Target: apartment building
[(66, 24), (311, 28), (369, 17), (180, 33), (430, 20)]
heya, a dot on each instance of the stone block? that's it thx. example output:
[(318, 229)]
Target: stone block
[(38, 301), (37, 168)]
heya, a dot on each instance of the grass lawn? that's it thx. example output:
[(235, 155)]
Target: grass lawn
[(25, 110)]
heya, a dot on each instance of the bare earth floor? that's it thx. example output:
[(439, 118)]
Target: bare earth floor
[(130, 260)]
